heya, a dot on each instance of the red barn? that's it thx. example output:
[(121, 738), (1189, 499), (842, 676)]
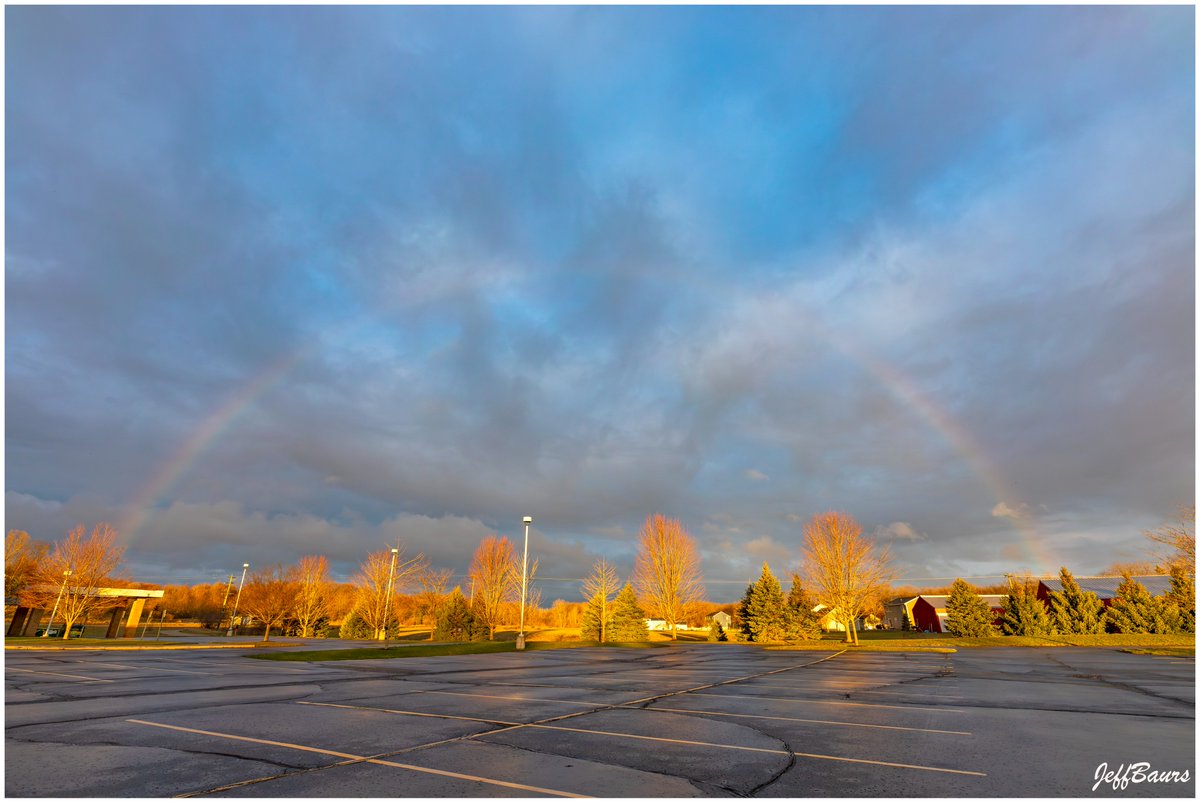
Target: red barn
[(929, 612)]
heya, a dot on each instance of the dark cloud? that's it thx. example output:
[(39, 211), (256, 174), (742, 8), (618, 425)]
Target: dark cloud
[(311, 279)]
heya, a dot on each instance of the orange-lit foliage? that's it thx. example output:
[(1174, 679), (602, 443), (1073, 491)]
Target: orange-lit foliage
[(495, 578), (667, 573)]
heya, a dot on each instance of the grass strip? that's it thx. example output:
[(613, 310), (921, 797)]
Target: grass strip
[(1174, 652)]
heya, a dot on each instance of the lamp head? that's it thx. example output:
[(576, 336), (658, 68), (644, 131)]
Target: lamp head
[(245, 565), (394, 550), (528, 519)]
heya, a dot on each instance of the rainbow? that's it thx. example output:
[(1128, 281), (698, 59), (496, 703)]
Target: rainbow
[(215, 424), (218, 422), (907, 392)]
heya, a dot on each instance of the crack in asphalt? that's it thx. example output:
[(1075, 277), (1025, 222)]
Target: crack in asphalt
[(185, 750), (1125, 686)]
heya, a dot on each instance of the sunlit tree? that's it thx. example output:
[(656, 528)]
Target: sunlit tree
[(72, 576), (1176, 541), (22, 558), (845, 570), (599, 589), (432, 594), (496, 578), (270, 595), (378, 584), (667, 572), (312, 593)]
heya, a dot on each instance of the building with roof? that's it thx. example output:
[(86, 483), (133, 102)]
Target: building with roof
[(123, 619), (719, 617), (895, 610), (929, 611), (1106, 587)]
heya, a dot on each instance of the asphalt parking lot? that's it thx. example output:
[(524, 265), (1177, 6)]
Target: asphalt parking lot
[(683, 721)]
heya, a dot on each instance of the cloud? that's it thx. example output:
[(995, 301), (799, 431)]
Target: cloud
[(454, 297), (898, 530), (1007, 511)]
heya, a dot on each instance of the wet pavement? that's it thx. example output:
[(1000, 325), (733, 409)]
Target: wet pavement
[(678, 721)]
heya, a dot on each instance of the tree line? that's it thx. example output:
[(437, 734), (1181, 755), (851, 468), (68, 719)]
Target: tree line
[(1074, 610)]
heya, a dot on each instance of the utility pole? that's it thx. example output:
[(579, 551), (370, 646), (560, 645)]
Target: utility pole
[(524, 563), (387, 601), (236, 601), (46, 632)]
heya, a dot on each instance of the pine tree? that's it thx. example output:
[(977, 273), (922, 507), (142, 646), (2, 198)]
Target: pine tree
[(590, 623), (905, 621), (628, 618), (799, 621), (1182, 598), (966, 612), (1135, 611), (743, 612), (1075, 610), (1024, 613), (457, 622), (764, 610)]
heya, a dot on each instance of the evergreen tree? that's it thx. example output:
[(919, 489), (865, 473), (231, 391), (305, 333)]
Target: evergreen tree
[(966, 612), (1075, 610), (1135, 611), (799, 621), (1024, 613), (353, 627), (743, 612), (457, 622), (716, 632), (905, 621), (628, 617), (1182, 598), (764, 609), (590, 624)]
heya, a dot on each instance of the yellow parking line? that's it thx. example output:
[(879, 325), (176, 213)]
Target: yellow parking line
[(749, 749), (146, 668), (797, 719), (511, 697), (409, 713), (803, 700), (773, 751), (365, 759), (58, 674)]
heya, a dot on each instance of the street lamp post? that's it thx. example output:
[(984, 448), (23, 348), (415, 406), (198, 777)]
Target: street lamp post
[(524, 564), (62, 588), (387, 602), (236, 600)]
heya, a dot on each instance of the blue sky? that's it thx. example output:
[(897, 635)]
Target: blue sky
[(293, 280)]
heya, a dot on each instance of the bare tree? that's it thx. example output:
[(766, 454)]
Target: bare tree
[(1179, 538), (270, 595), (433, 593), (378, 586), (599, 588), (495, 578), (312, 592), (667, 573), (844, 569), (22, 558), (71, 578)]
